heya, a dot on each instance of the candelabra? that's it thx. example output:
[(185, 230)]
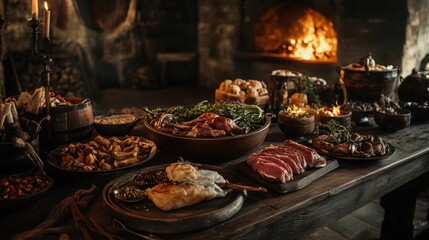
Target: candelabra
[(2, 22), (43, 58)]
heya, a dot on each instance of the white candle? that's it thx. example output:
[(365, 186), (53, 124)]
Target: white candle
[(35, 9), (46, 21)]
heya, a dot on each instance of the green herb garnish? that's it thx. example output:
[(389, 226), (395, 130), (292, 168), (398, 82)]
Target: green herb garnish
[(244, 115), (338, 132)]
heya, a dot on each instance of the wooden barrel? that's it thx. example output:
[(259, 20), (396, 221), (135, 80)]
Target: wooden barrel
[(70, 123)]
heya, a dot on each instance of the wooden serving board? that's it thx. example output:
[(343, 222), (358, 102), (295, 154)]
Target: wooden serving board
[(298, 182)]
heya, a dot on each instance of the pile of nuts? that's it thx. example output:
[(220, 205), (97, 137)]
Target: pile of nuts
[(13, 187)]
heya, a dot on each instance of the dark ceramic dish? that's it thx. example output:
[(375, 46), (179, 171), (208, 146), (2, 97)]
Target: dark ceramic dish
[(53, 160), (216, 149), (114, 129), (296, 127), (7, 206), (393, 122), (344, 119), (419, 113)]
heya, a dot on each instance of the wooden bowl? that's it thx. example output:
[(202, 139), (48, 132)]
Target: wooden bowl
[(393, 122), (296, 127), (209, 149), (344, 119)]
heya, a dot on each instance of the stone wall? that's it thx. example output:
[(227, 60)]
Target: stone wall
[(218, 36), (115, 49), (416, 45)]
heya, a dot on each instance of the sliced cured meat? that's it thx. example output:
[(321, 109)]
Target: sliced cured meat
[(281, 163), (294, 164), (312, 158), (289, 151), (268, 170)]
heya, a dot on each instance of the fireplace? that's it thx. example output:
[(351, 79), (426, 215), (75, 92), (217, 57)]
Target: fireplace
[(296, 31)]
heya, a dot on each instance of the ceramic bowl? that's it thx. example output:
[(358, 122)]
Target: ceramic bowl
[(110, 129), (296, 127), (344, 118), (393, 121), (209, 149)]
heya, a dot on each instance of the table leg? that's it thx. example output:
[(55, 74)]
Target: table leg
[(399, 206)]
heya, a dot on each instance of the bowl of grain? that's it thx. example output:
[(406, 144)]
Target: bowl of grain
[(115, 124)]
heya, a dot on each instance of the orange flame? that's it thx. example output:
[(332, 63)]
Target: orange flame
[(310, 37), (296, 109), (336, 110)]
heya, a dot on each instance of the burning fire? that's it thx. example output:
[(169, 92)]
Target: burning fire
[(298, 112), (309, 36), (314, 44), (336, 110), (295, 109)]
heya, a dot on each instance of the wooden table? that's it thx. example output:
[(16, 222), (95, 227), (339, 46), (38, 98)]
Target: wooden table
[(396, 180)]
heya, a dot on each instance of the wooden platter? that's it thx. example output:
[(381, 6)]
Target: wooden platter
[(298, 182), (145, 216)]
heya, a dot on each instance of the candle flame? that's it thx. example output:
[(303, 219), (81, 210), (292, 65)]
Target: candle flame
[(46, 6)]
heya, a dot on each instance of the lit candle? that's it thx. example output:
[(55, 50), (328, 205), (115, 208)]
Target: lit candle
[(46, 21), (35, 9)]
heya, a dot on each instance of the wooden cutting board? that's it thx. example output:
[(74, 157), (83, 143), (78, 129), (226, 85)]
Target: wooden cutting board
[(298, 182)]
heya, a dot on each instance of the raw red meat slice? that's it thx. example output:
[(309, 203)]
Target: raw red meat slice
[(294, 164), (311, 156), (275, 160), (268, 170), (290, 152)]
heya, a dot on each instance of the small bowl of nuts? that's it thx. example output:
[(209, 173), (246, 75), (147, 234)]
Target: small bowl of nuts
[(19, 190), (115, 124)]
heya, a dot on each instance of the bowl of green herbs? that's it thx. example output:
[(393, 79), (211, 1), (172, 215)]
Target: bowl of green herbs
[(207, 148)]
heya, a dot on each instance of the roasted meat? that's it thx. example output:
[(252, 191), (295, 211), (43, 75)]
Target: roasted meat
[(206, 125), (169, 196), (362, 146), (188, 185)]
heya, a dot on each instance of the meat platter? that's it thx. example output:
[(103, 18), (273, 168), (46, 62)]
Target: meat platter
[(198, 141), (354, 150), (299, 182), (145, 216), (287, 167), (101, 155)]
